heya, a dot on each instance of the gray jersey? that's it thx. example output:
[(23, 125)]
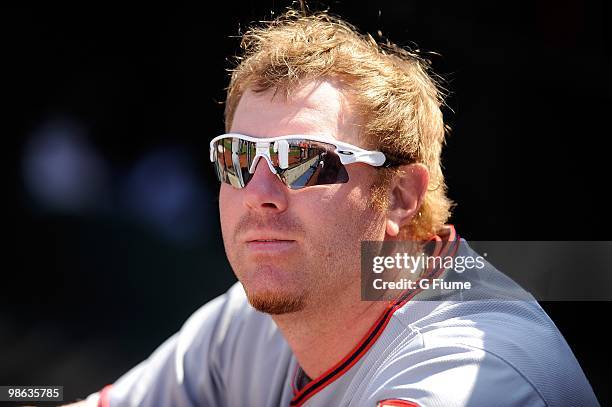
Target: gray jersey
[(446, 352)]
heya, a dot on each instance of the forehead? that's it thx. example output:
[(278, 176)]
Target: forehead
[(315, 108)]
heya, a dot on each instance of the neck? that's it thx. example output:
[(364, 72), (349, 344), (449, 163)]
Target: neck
[(323, 335)]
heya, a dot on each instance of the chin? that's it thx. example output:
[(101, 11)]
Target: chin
[(275, 302)]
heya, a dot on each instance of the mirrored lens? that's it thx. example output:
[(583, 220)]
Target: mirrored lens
[(312, 163), (233, 159), (308, 162)]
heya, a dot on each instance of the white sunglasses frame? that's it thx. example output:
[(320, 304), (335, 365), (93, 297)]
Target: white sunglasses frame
[(347, 153)]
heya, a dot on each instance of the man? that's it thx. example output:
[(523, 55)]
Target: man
[(332, 141)]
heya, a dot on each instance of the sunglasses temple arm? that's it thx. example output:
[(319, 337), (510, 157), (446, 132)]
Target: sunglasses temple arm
[(374, 158)]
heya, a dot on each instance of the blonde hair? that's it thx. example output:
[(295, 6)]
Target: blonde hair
[(391, 89)]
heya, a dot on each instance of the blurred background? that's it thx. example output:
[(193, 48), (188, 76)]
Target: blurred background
[(109, 109)]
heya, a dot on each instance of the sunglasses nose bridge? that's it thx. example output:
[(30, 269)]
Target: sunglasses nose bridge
[(262, 152)]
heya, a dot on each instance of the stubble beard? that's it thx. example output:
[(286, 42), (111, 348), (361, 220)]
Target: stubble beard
[(275, 303), (274, 297)]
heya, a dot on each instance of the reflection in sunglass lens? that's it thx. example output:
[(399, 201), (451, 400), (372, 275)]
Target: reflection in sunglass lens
[(314, 163), (308, 163), (233, 157)]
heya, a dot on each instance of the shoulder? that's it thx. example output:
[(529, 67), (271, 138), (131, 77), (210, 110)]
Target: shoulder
[(194, 366), (229, 331), (480, 353), (223, 321), (218, 313)]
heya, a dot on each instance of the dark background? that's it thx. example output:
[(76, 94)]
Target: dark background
[(109, 112)]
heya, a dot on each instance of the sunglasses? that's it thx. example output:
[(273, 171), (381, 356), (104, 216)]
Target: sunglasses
[(299, 161)]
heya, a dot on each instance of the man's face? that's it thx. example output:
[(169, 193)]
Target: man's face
[(296, 249)]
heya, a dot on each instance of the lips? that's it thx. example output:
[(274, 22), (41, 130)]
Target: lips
[(268, 244), (265, 236), (270, 240)]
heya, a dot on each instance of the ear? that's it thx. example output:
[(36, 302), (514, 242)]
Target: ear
[(407, 192)]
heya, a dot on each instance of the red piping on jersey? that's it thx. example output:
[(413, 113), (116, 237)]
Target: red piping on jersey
[(374, 332), (294, 380), (396, 403), (104, 400)]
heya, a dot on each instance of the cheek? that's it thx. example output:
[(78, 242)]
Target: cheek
[(336, 214), (228, 214), (350, 216)]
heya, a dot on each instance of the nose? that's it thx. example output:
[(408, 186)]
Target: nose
[(265, 192)]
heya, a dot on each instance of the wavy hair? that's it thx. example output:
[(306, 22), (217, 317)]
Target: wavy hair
[(393, 90)]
